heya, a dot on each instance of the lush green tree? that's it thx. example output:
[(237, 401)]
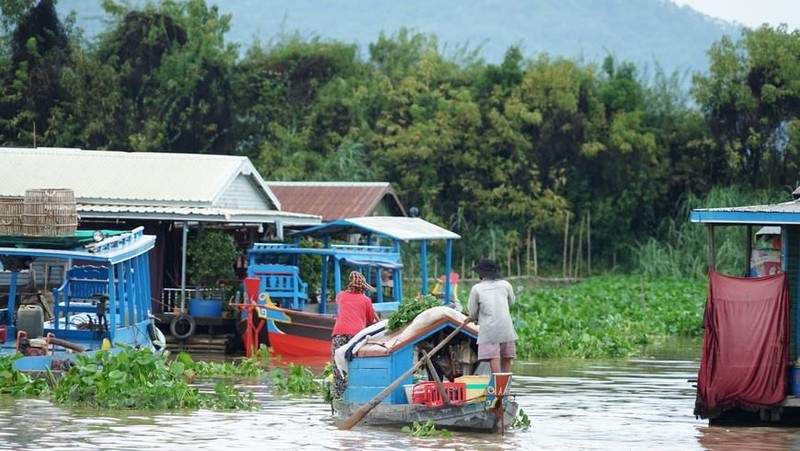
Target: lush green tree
[(170, 69), (751, 99), (292, 107), (31, 78)]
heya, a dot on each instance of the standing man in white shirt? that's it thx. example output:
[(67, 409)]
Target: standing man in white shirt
[(490, 302)]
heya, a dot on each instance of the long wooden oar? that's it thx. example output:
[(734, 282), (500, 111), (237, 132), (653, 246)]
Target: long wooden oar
[(363, 411)]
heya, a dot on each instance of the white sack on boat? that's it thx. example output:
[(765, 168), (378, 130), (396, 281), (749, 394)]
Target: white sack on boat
[(379, 338)]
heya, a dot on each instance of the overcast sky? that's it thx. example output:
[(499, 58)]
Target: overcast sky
[(751, 13)]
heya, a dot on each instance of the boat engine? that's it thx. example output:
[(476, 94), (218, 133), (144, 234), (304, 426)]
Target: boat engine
[(32, 346)]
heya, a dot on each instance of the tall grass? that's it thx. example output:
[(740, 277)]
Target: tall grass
[(681, 248)]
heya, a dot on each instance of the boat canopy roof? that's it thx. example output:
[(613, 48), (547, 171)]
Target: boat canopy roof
[(394, 227), (117, 246), (372, 263), (785, 213)]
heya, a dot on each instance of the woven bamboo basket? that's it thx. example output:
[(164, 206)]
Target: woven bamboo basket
[(11, 209), (49, 212)]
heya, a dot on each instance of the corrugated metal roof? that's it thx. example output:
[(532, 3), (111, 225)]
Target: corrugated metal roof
[(336, 200), (125, 177), (172, 213), (393, 227)]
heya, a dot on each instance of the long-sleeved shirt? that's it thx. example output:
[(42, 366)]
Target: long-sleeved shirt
[(490, 304)]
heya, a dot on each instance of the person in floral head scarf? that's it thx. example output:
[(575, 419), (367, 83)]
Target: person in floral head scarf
[(355, 312)]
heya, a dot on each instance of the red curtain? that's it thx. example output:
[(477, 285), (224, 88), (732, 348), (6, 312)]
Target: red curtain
[(745, 345)]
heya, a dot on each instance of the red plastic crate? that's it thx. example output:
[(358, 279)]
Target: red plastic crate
[(426, 393), (456, 391)]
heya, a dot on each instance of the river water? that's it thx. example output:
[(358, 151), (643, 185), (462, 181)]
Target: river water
[(572, 405)]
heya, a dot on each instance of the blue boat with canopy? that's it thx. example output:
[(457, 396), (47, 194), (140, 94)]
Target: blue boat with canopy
[(102, 300), (371, 245)]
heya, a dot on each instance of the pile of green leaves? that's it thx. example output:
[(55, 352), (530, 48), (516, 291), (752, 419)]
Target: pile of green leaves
[(409, 309), (17, 383), (295, 380), (607, 316), (138, 379)]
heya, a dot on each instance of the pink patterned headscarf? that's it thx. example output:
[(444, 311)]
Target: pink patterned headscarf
[(358, 284)]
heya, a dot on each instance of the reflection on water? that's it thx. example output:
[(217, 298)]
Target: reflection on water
[(580, 405)]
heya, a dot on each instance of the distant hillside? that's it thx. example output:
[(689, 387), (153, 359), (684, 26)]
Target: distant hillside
[(641, 31)]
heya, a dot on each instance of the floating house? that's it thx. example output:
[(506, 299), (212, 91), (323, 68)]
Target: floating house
[(171, 195), (750, 368)]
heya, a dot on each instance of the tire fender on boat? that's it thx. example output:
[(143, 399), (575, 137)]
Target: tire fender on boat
[(176, 327)]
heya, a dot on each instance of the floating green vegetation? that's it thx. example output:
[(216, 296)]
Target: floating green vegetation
[(607, 316), (16, 383), (426, 429), (409, 309), (295, 380), (521, 421), (239, 368), (139, 379)]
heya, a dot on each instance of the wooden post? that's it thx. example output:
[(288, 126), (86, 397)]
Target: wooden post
[(535, 259), (712, 251), (749, 253)]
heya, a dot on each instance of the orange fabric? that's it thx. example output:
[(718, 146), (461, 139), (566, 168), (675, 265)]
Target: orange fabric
[(745, 345)]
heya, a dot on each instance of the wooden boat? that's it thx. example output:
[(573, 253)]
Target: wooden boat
[(296, 327), (102, 298), (379, 358)]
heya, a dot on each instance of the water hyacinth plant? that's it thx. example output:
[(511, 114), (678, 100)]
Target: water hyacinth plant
[(240, 368), (607, 316), (139, 379), (16, 383), (295, 380), (426, 429)]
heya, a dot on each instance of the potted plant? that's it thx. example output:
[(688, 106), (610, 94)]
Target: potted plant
[(212, 254)]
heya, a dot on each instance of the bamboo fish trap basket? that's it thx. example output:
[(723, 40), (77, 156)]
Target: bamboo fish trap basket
[(11, 209), (49, 212)]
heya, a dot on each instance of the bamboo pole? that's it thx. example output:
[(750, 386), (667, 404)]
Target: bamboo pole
[(566, 242), (508, 260), (589, 243), (580, 248), (571, 255), (535, 259), (528, 254)]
